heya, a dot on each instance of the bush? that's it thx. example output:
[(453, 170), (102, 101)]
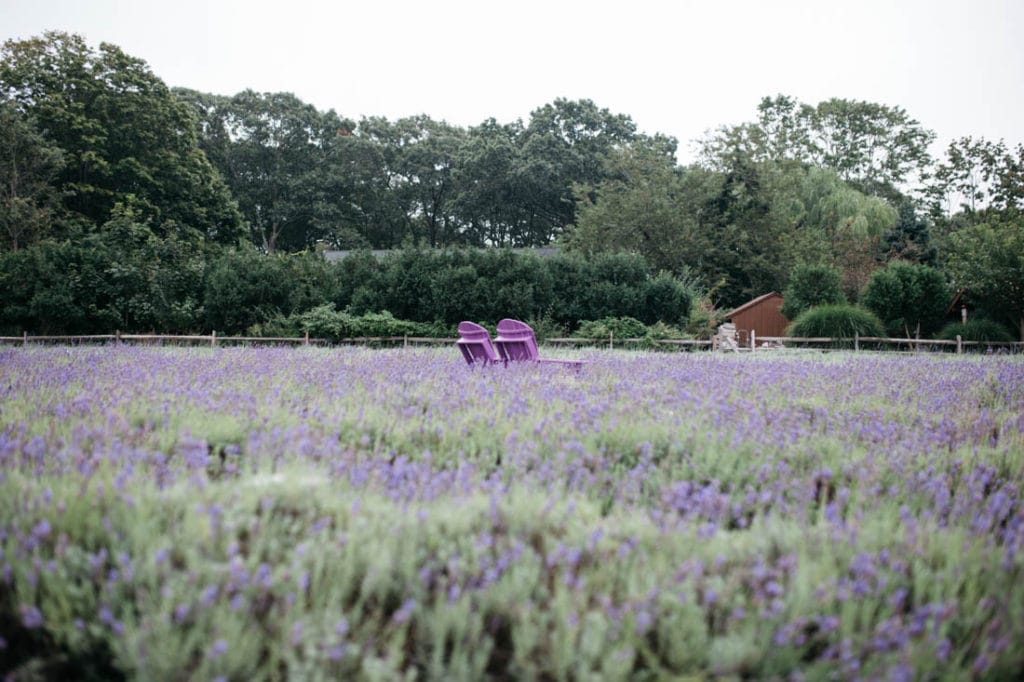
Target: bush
[(976, 330), (666, 299), (324, 322), (621, 327), (840, 321), (910, 299), (659, 331), (243, 288), (810, 286)]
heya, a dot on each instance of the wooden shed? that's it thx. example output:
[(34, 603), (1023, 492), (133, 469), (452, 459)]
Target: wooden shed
[(760, 316)]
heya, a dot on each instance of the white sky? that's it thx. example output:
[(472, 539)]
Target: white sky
[(678, 68)]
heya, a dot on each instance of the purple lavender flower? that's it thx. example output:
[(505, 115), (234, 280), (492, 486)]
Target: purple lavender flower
[(31, 617), (219, 648), (403, 614)]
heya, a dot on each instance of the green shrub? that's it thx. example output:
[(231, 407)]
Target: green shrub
[(842, 321), (810, 286), (324, 322), (976, 330), (621, 327), (910, 299), (544, 327), (666, 299), (659, 331), (704, 317)]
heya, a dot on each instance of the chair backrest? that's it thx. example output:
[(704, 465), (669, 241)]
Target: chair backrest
[(475, 344), (515, 341)]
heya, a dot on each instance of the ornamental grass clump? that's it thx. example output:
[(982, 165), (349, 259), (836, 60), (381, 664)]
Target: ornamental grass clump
[(350, 514), (838, 321), (979, 330)]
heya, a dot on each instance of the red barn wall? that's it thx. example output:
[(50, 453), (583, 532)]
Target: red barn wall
[(761, 316)]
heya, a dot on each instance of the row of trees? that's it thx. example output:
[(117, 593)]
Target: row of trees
[(90, 138)]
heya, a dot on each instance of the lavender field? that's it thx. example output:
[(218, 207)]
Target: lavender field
[(270, 514)]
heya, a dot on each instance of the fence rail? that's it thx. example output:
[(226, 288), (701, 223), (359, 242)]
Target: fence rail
[(765, 343)]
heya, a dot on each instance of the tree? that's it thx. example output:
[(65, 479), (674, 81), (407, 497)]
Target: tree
[(640, 207), (988, 261), (490, 192), (849, 224), (427, 157), (908, 297), (879, 149), (121, 131), (364, 167), (910, 238), (274, 151), (810, 286), (28, 166), (564, 144), (978, 175)]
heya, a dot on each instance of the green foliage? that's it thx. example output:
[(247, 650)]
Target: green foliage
[(641, 207), (324, 322), (667, 299), (28, 165), (988, 261), (981, 176), (975, 330), (877, 147), (840, 321), (244, 288), (910, 299), (121, 132), (91, 140), (122, 277), (275, 153), (491, 284), (620, 327), (705, 317), (809, 286), (910, 238)]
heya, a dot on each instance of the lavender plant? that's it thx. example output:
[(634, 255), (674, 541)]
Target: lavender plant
[(352, 514)]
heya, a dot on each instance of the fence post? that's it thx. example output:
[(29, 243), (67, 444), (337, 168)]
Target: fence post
[(959, 345), (24, 338), (753, 339), (305, 341), (117, 337), (405, 340), (213, 339), (856, 341), (611, 340)]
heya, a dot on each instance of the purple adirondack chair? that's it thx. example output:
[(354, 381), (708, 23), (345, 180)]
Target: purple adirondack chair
[(516, 343), (475, 344)]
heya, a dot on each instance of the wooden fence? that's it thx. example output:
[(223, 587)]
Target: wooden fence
[(758, 344), (771, 343)]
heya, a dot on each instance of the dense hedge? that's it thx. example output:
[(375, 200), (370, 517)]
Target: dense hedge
[(490, 284), (127, 279)]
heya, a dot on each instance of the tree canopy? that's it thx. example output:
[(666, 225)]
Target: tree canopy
[(125, 138), (108, 175)]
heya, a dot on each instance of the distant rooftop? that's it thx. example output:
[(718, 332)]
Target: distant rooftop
[(335, 256)]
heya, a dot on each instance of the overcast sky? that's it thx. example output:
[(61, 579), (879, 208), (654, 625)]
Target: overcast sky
[(676, 67)]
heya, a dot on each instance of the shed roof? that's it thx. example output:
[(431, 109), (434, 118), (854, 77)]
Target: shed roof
[(753, 303), (333, 256)]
